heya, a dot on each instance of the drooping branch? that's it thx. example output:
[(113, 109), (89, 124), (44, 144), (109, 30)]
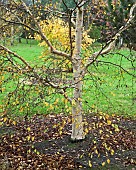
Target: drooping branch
[(15, 16), (19, 23), (119, 66), (111, 44), (15, 55), (44, 81)]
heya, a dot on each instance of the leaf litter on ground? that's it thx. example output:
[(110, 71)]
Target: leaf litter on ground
[(43, 142)]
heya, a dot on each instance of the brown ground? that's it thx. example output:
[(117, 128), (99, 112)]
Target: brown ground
[(43, 142)]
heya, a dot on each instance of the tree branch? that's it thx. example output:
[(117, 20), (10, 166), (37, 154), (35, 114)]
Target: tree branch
[(52, 49), (117, 65), (16, 55), (44, 81), (19, 23)]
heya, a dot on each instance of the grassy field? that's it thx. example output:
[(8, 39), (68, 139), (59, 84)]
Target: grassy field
[(107, 88)]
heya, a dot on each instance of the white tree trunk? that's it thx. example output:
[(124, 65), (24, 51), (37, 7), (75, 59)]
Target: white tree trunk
[(77, 125)]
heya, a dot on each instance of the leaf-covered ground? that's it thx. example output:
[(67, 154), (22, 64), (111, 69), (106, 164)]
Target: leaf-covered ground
[(43, 143)]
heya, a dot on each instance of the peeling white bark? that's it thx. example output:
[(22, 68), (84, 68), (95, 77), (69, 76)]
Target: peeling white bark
[(77, 126)]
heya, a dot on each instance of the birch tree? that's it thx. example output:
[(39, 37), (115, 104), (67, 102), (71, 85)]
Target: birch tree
[(77, 127), (79, 63)]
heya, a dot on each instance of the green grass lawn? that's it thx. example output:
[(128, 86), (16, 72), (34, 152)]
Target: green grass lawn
[(112, 90), (30, 51), (107, 88)]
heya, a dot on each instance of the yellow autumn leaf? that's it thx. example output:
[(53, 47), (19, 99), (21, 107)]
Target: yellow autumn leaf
[(14, 122), (2, 78), (67, 110), (109, 122), (111, 132), (79, 99), (108, 148), (51, 107), (54, 126), (96, 151), (103, 163), (56, 101), (21, 109), (108, 161), (28, 138), (80, 166), (100, 124), (113, 94), (86, 130), (94, 141), (80, 79), (116, 128), (46, 104), (37, 152), (91, 156), (63, 123), (32, 138), (32, 146), (60, 132), (29, 151), (28, 128), (3, 89), (77, 125), (107, 116), (81, 156), (5, 119), (90, 164), (100, 131), (112, 152), (65, 101), (73, 102)]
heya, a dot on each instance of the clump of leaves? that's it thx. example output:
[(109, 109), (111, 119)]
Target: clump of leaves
[(57, 31)]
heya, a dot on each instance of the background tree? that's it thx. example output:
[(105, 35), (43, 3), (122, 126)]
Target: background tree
[(119, 11)]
